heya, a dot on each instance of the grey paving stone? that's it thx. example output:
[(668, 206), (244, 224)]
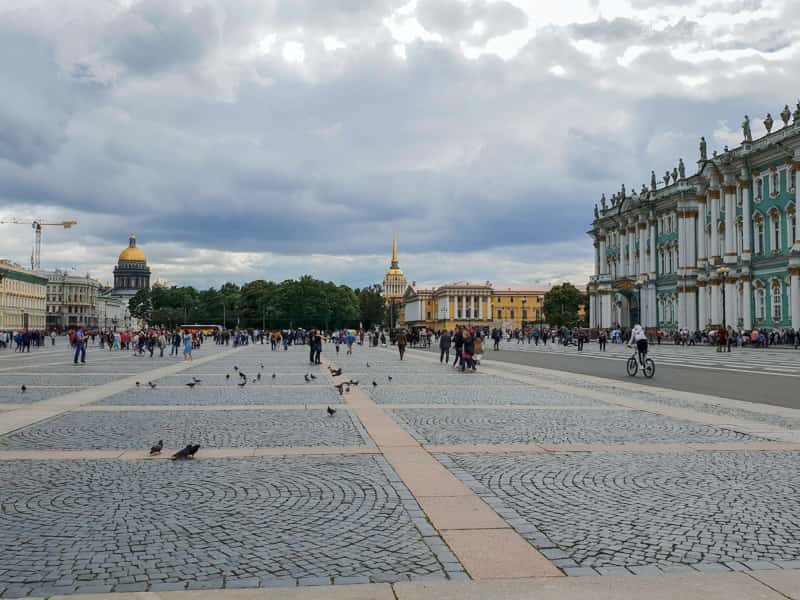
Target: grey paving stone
[(215, 428), (553, 426), (207, 524)]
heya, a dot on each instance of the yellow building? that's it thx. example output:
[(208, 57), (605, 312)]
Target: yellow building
[(470, 304), (23, 298), (394, 285)]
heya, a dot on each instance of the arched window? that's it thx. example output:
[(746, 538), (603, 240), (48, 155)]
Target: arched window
[(791, 223), (775, 183), (777, 300), (721, 230), (758, 233), (775, 230), (759, 190), (759, 300)]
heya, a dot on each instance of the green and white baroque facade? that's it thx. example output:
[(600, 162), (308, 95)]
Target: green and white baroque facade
[(721, 246)]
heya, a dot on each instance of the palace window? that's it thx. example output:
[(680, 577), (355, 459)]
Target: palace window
[(775, 183), (759, 299), (759, 187), (739, 236), (792, 224), (777, 301), (775, 223), (791, 176), (758, 234), (512, 313), (499, 313)]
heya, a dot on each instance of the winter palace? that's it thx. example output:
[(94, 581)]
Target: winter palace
[(718, 247)]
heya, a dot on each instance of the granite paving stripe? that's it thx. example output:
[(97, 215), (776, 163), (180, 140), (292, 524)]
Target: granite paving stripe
[(206, 454), (202, 407), (523, 395)]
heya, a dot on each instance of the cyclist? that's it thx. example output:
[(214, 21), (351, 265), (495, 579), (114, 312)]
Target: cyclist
[(640, 339)]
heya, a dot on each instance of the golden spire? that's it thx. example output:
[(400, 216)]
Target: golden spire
[(394, 252)]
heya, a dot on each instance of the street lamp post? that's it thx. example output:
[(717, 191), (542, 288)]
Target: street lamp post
[(639, 284)]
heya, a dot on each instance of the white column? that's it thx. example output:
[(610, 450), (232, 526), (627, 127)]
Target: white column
[(701, 233), (747, 222), (681, 243), (690, 246), (631, 252), (681, 308), (716, 304), (691, 310), (652, 230), (489, 307), (730, 302), (730, 224), (642, 248), (605, 300), (794, 288), (702, 309), (463, 307), (480, 308), (593, 310), (747, 300), (715, 250), (603, 263)]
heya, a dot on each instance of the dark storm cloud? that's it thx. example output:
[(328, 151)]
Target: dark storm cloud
[(184, 123)]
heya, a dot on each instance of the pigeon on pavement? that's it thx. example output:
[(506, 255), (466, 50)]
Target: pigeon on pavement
[(157, 448), (331, 411), (152, 385), (191, 384)]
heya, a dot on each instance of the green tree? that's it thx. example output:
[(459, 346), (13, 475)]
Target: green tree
[(141, 306), (371, 305), (562, 304)]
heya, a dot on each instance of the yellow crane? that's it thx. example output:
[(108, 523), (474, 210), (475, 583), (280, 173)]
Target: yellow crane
[(37, 224)]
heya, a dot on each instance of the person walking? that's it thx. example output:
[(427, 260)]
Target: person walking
[(80, 346), (401, 342), (187, 346), (602, 339), (444, 348), (458, 343)]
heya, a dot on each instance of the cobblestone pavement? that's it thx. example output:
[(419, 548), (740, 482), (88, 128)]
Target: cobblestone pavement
[(231, 394), (15, 394), (486, 426), (646, 513), (445, 377), (211, 429), (511, 394), (210, 524)]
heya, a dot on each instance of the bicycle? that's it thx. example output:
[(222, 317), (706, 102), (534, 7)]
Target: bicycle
[(648, 366)]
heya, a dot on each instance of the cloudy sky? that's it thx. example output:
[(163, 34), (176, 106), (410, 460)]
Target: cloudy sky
[(271, 138)]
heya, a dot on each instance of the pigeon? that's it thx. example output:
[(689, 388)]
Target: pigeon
[(340, 387), (196, 380), (273, 375), (152, 385), (262, 365), (191, 384), (157, 448), (368, 365), (336, 372), (244, 383), (353, 382), (138, 384), (227, 375), (374, 384), (254, 380), (306, 378), (242, 374), (235, 368), (347, 389), (390, 377), (331, 411), (187, 452), (313, 376), (24, 388), (258, 377)]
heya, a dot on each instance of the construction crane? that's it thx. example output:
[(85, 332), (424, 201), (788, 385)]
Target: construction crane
[(37, 224)]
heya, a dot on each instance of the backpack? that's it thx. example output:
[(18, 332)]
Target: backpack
[(73, 337)]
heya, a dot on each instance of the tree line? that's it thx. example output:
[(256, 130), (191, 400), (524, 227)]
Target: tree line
[(304, 302)]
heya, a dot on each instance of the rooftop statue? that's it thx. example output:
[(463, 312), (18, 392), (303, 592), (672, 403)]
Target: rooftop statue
[(785, 115), (674, 174), (797, 113), (748, 134), (596, 212), (603, 201), (653, 180), (768, 123), (681, 169), (643, 192), (666, 178), (703, 149)]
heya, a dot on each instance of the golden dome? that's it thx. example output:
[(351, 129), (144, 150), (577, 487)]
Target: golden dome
[(395, 271), (132, 253)]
